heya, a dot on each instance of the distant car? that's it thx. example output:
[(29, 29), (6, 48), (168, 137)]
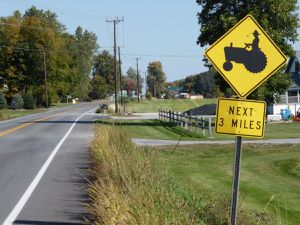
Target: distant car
[(104, 106)]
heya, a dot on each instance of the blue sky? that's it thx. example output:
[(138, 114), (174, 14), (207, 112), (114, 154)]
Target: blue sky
[(164, 30)]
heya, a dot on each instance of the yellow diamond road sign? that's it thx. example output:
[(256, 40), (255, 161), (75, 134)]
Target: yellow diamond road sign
[(245, 56), (240, 117)]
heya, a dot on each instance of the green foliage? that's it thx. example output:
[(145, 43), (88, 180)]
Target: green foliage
[(17, 102), (277, 17), (3, 102), (156, 79), (203, 84), (68, 57), (131, 81), (29, 101), (148, 95), (103, 74), (274, 86)]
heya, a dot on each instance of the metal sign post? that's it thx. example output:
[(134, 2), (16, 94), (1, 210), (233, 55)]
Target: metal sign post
[(235, 182), (245, 57)]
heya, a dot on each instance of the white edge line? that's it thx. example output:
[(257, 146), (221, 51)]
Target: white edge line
[(21, 203)]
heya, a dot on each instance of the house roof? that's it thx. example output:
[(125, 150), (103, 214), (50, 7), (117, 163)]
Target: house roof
[(291, 60)]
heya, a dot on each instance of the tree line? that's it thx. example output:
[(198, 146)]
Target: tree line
[(35, 47)]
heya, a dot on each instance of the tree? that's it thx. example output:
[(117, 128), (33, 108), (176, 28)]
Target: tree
[(28, 101), (277, 17), (156, 79), (25, 38), (103, 74), (17, 102), (86, 45), (131, 81), (3, 102)]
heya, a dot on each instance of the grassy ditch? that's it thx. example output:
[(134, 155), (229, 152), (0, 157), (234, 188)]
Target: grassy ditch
[(131, 186), (269, 179)]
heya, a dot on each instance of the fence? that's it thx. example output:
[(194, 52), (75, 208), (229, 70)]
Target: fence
[(192, 123)]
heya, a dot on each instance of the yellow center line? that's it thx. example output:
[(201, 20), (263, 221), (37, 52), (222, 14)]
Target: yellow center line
[(26, 124)]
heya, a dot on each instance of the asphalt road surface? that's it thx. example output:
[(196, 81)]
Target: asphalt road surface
[(43, 163)]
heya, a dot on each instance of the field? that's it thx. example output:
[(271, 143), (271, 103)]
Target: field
[(269, 180), (178, 105)]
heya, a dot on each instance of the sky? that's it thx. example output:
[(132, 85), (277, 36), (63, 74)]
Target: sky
[(156, 30)]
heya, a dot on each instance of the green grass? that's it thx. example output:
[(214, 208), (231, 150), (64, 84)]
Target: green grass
[(157, 129), (269, 174), (153, 129), (10, 114), (178, 105), (282, 130), (6, 114)]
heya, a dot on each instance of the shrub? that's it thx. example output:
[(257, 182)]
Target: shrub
[(17, 102), (148, 95), (3, 102), (28, 101)]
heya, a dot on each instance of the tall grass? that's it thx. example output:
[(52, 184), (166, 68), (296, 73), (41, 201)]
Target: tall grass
[(130, 186)]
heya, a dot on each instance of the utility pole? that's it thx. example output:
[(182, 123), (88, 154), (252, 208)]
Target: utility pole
[(115, 22), (137, 79), (45, 75), (120, 72), (146, 82)]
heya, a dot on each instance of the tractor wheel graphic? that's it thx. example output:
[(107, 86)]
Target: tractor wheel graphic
[(227, 66), (258, 63)]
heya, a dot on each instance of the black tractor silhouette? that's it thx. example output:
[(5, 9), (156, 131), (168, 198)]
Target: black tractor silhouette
[(254, 60)]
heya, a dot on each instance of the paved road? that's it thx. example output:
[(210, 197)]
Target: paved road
[(43, 160)]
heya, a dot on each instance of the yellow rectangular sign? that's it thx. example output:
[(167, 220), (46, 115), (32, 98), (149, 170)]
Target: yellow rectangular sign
[(240, 117)]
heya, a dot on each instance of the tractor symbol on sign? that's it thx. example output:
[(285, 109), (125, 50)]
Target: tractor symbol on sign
[(254, 59)]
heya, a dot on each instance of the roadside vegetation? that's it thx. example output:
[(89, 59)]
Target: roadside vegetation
[(132, 185), (6, 114), (158, 129), (269, 180)]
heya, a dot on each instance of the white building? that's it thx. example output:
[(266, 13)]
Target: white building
[(291, 98)]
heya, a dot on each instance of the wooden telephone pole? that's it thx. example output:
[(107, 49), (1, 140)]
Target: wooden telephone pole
[(115, 22), (137, 79)]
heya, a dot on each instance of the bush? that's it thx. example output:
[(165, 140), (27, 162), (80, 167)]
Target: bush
[(17, 102), (29, 101), (148, 95), (3, 102)]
